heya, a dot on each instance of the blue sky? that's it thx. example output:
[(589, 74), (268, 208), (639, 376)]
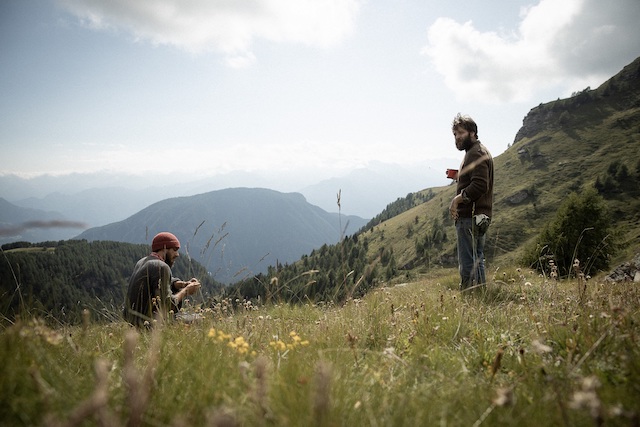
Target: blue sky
[(310, 87)]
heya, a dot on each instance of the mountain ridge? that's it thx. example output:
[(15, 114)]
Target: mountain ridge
[(562, 147), (87, 196), (235, 232)]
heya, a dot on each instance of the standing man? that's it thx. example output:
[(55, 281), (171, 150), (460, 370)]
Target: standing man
[(152, 289), (471, 208)]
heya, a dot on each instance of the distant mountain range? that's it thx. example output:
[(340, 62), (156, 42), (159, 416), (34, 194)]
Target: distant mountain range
[(92, 198), (34, 225), (367, 191), (235, 232)]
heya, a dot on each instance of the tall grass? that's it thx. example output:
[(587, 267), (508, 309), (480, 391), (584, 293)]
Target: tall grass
[(523, 350)]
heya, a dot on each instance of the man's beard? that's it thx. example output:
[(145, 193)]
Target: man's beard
[(465, 144), (169, 260)]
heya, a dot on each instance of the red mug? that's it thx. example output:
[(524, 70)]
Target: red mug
[(452, 173)]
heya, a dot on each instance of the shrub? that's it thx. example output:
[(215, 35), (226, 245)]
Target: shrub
[(581, 230)]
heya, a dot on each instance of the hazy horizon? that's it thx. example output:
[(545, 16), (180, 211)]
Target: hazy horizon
[(365, 191)]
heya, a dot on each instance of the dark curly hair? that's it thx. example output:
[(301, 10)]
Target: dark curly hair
[(466, 123)]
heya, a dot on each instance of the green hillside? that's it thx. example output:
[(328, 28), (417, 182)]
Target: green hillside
[(236, 232), (61, 279), (590, 139), (562, 147)]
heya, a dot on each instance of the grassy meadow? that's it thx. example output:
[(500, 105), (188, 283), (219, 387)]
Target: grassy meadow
[(524, 350)]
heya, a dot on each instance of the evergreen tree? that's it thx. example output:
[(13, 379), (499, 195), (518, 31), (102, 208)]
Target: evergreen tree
[(61, 279), (581, 230)]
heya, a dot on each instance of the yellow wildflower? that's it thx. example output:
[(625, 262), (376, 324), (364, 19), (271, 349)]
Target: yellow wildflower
[(278, 345)]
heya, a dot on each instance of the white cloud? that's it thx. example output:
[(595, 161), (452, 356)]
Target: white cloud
[(566, 45), (226, 26)]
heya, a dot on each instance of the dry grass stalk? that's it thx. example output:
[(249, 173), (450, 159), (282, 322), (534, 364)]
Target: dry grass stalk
[(321, 396), (261, 388), (96, 404), (495, 367), (352, 340), (139, 386)]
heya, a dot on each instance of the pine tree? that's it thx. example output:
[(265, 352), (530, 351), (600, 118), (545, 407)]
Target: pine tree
[(580, 230)]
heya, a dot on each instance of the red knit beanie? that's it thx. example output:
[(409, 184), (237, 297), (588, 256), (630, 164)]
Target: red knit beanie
[(164, 240)]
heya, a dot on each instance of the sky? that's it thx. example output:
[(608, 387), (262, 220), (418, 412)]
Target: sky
[(312, 88)]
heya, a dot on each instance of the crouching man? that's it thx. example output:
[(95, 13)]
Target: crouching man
[(153, 291)]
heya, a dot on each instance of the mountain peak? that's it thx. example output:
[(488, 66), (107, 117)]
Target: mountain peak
[(618, 93), (235, 231)]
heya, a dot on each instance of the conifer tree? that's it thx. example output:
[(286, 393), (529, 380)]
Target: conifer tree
[(581, 230)]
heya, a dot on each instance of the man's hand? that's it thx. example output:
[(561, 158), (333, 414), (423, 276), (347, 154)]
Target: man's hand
[(192, 286), (453, 207), (181, 283)]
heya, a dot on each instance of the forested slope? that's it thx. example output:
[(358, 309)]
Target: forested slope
[(61, 279)]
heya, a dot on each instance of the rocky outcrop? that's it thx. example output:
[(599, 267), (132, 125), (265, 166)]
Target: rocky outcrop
[(535, 122), (518, 197), (626, 272), (619, 93)]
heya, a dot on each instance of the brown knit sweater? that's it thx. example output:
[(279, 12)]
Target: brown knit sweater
[(475, 179)]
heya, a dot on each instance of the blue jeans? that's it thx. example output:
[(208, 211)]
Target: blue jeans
[(470, 254)]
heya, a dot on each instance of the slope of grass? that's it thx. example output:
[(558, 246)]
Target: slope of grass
[(564, 146), (522, 351)]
